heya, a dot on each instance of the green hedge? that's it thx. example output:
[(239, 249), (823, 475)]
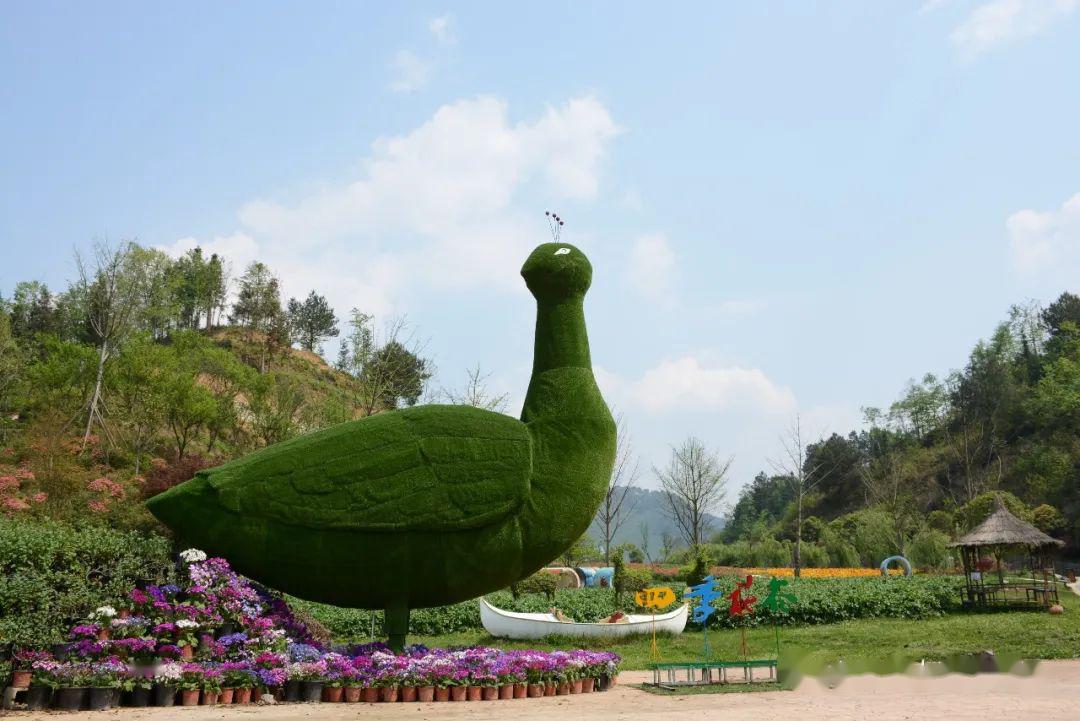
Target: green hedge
[(52, 574), (819, 601)]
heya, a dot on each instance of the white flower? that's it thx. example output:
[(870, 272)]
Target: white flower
[(104, 612), (193, 555), (168, 672), (187, 623)]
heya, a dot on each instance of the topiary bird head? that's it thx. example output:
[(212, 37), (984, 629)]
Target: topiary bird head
[(556, 271)]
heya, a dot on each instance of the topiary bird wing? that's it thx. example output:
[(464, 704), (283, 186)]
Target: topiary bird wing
[(431, 468)]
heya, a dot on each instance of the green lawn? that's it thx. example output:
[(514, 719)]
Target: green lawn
[(1023, 634)]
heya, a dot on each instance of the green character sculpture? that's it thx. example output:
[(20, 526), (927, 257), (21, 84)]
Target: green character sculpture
[(422, 506)]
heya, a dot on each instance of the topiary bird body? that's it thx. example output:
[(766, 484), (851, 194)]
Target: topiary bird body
[(429, 505)]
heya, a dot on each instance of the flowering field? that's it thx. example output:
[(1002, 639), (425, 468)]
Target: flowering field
[(220, 637), (823, 572)]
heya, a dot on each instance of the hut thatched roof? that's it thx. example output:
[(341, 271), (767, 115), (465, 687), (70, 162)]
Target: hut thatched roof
[(1004, 529)]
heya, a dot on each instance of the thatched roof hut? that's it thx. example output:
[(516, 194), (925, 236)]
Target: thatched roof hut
[(999, 532), (1002, 528)]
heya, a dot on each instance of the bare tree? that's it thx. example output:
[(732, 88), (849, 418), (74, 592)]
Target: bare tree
[(694, 485), (800, 476), (614, 509), (644, 530), (475, 393), (111, 296)]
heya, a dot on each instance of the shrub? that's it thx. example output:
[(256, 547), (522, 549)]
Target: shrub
[(164, 474), (1048, 519), (52, 574), (814, 556), (541, 582), (930, 549)]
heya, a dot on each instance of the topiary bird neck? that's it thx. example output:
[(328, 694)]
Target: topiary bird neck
[(561, 340), (561, 349)]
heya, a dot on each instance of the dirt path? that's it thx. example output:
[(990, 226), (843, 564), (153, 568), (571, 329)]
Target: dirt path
[(1049, 695)]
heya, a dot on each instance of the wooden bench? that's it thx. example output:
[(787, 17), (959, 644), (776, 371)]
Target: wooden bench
[(702, 673)]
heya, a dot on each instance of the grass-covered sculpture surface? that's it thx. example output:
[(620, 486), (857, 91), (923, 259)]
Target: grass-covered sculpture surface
[(429, 505)]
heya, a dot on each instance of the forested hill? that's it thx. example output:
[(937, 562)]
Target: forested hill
[(1006, 423), (147, 368)]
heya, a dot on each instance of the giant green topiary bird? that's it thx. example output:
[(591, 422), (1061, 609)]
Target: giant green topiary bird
[(422, 506)]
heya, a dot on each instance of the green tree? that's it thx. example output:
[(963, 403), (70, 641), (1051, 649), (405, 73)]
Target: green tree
[(139, 393), (312, 321), (258, 309)]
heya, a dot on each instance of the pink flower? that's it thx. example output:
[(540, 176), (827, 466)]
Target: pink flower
[(15, 504), (98, 506), (8, 483), (39, 497)]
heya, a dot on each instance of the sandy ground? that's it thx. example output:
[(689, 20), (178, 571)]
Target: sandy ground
[(1051, 694)]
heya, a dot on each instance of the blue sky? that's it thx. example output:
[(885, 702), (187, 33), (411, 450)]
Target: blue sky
[(790, 207)]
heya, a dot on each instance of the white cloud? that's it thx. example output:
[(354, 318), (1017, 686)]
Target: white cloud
[(652, 267), (442, 29), (1046, 241), (411, 73), (437, 207), (1001, 22), (686, 384)]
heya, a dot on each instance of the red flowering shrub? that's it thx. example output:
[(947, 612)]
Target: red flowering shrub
[(164, 474)]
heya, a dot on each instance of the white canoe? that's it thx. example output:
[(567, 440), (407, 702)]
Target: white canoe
[(511, 624)]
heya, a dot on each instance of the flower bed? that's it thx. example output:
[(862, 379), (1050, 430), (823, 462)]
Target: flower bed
[(221, 640), (823, 572)]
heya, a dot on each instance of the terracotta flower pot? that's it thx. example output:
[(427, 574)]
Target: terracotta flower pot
[(103, 634), (388, 694), (491, 693), (125, 613), (187, 652), (189, 697), (243, 695), (408, 694), (457, 693), (227, 696), (521, 690), (549, 689), (21, 679), (442, 693), (352, 694), (425, 694), (563, 689), (587, 685), (333, 694), (210, 698), (575, 687), (506, 691), (473, 693), (536, 690), (369, 695)]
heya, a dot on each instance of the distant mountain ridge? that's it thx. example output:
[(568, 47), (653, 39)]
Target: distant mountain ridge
[(651, 508)]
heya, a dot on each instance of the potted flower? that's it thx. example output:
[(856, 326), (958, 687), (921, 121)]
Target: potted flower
[(190, 684), (104, 679), (187, 637), (233, 676), (43, 682), (137, 686), (22, 665), (311, 675), (387, 681), (337, 669), (103, 616), (166, 680), (71, 681), (211, 685)]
